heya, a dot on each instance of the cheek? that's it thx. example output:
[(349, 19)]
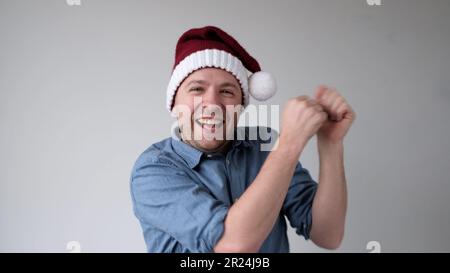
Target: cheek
[(183, 102), (183, 112), (238, 100), (235, 100)]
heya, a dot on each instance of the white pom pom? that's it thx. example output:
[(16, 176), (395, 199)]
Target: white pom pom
[(262, 85)]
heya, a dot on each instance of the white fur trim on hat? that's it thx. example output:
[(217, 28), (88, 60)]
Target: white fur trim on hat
[(207, 58)]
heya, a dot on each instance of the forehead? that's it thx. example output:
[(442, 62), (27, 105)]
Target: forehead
[(212, 75)]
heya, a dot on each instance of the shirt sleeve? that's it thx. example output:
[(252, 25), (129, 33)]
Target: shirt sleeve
[(297, 205), (166, 198)]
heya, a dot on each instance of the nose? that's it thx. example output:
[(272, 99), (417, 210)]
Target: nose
[(211, 102), (211, 97)]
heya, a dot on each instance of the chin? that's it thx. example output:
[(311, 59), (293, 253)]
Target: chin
[(210, 145)]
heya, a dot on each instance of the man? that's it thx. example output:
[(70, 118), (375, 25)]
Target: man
[(203, 192)]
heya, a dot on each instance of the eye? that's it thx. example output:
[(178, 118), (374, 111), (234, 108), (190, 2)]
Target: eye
[(227, 92)]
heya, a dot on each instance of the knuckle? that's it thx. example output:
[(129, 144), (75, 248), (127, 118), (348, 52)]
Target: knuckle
[(302, 98), (340, 99), (303, 104)]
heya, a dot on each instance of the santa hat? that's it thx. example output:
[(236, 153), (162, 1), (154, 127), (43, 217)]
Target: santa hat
[(212, 47)]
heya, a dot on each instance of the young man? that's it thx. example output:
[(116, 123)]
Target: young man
[(203, 192)]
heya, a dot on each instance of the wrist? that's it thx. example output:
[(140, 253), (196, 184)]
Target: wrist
[(329, 141), (293, 144), (328, 146), (290, 149)]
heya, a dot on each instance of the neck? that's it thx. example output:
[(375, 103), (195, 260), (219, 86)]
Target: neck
[(223, 149)]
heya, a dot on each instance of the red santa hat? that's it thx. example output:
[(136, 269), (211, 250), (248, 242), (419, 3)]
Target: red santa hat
[(212, 47)]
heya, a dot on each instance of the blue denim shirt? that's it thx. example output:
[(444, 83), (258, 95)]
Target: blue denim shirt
[(181, 195)]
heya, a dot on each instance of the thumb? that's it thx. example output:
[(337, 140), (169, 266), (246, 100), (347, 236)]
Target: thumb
[(320, 91)]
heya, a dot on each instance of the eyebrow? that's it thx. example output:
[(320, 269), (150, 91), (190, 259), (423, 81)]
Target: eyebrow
[(202, 82), (196, 81), (229, 84)]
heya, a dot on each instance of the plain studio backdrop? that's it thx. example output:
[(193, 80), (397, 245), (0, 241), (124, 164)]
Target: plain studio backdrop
[(82, 94)]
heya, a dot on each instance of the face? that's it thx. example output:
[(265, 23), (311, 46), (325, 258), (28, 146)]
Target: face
[(207, 105)]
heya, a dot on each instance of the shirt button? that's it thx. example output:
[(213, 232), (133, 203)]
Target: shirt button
[(209, 155)]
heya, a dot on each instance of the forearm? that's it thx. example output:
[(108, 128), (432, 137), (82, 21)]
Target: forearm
[(330, 202), (251, 218)]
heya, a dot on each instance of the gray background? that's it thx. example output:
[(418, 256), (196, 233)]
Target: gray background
[(82, 94)]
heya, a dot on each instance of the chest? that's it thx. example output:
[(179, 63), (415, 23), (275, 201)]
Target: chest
[(227, 176)]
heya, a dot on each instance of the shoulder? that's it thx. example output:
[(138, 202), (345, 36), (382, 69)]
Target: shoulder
[(156, 152), (158, 155)]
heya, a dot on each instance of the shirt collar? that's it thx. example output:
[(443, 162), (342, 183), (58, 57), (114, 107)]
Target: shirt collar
[(192, 156), (241, 138)]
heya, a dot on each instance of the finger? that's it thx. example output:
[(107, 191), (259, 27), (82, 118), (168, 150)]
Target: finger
[(312, 102), (327, 106), (337, 104), (332, 102), (302, 98), (341, 111), (318, 108), (324, 116), (328, 98), (320, 90)]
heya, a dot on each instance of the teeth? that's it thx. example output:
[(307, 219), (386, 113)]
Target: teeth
[(209, 121)]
